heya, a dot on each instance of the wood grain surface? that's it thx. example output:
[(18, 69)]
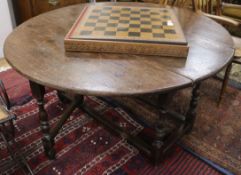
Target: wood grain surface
[(36, 50)]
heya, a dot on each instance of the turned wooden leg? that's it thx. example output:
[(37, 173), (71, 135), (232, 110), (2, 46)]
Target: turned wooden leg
[(191, 113), (38, 92), (161, 130), (225, 82), (157, 144)]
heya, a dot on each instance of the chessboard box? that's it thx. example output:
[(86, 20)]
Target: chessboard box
[(124, 47)]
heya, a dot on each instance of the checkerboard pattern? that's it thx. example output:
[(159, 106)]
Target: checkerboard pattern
[(128, 23)]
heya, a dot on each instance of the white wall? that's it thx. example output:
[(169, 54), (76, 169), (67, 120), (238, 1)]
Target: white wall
[(6, 24)]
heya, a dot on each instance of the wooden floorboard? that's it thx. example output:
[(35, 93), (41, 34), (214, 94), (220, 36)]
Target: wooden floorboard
[(4, 65)]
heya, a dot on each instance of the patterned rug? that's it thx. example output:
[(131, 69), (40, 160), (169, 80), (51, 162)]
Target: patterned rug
[(83, 146)]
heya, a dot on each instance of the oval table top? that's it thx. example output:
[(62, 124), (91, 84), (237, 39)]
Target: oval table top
[(36, 50)]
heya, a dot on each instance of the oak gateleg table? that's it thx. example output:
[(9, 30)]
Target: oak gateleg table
[(36, 50)]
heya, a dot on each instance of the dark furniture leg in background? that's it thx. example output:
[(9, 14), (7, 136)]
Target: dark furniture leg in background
[(225, 82)]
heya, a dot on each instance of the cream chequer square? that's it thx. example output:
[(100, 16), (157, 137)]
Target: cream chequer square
[(125, 23)]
